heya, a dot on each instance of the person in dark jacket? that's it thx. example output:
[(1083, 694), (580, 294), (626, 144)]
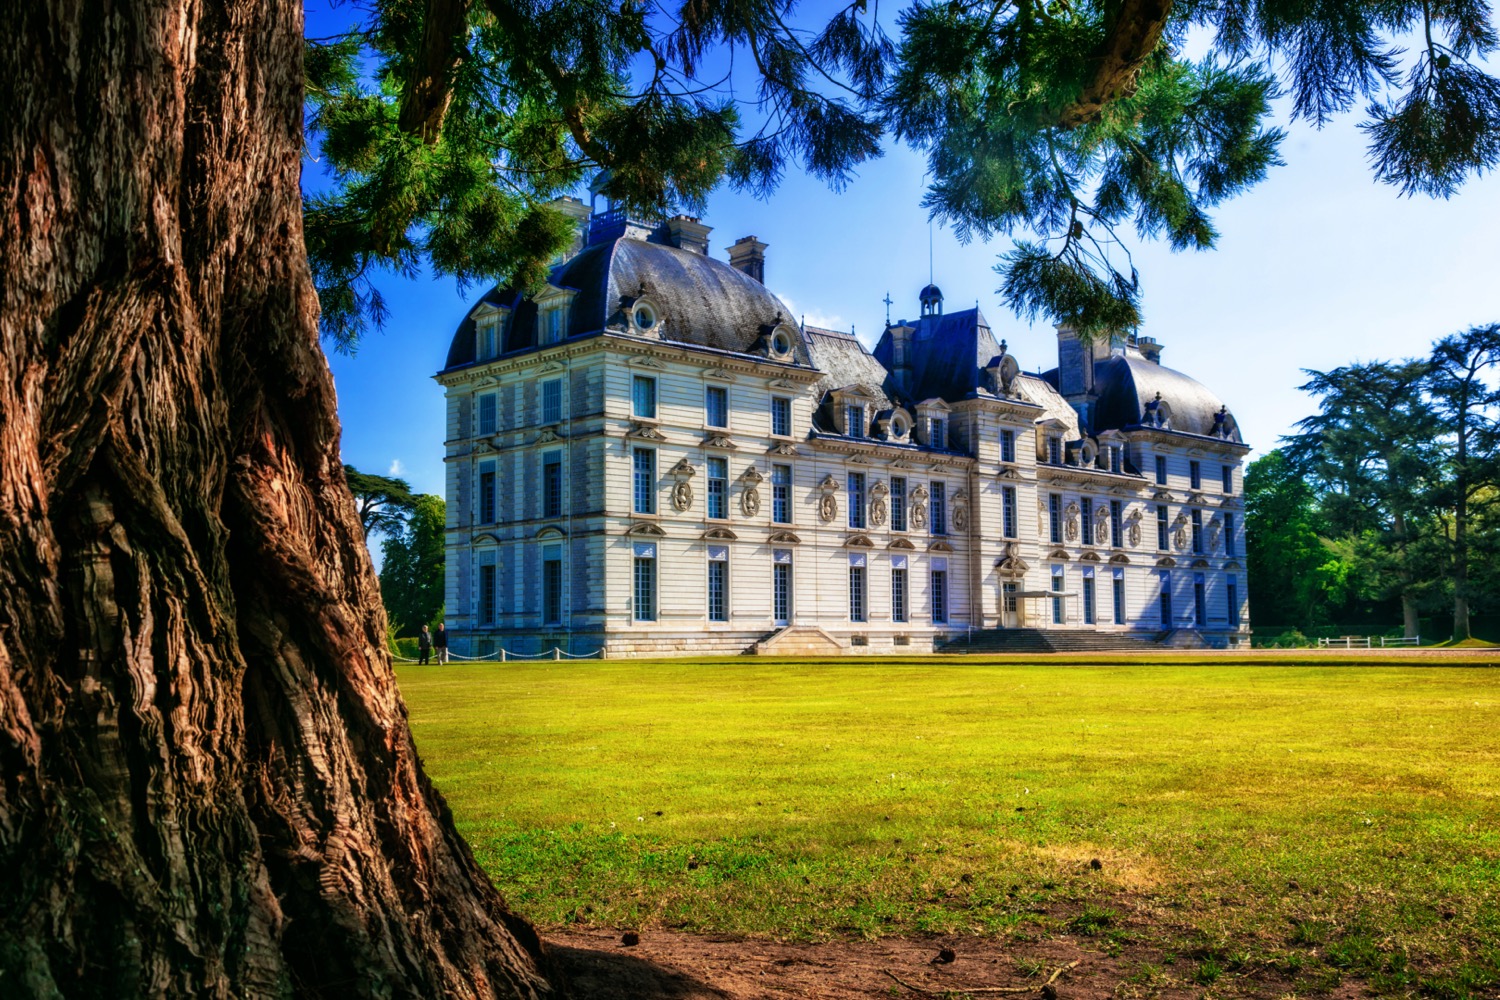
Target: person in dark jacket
[(424, 646), (440, 640)]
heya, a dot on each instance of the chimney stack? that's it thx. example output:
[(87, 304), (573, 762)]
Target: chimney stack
[(580, 213), (685, 232), (1150, 349), (748, 254)]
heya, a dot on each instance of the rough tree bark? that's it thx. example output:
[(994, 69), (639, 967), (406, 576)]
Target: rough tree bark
[(207, 783)]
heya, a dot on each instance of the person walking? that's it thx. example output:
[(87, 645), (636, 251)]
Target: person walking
[(440, 641), (424, 646)]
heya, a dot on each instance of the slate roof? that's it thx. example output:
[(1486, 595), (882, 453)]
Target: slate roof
[(949, 354), (1125, 382), (702, 302), (844, 362)]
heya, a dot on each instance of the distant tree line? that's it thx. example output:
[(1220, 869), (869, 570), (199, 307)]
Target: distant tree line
[(410, 526), (1385, 507)]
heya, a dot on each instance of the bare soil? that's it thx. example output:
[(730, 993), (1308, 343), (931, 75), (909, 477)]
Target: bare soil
[(672, 965)]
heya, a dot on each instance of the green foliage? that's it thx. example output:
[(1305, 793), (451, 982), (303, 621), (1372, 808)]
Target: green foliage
[(1250, 816), (411, 572), (384, 503), (448, 126), (1293, 576)]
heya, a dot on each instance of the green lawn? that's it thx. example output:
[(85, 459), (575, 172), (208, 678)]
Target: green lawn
[(1318, 820)]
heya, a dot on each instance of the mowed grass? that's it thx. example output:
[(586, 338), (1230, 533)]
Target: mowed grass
[(1313, 820)]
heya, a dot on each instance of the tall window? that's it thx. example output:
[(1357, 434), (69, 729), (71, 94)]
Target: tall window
[(1232, 596), (937, 432), (1007, 445), (1008, 510), (939, 509), (1165, 599), (718, 487), (1057, 602), (552, 401), (487, 423), (781, 494), (1008, 601), (1116, 524), (488, 603), (1116, 459), (1200, 600), (1161, 470), (645, 581), (781, 416), (1119, 590), (854, 420), (643, 397), (486, 503), (1088, 596), (898, 503), (488, 341), (1229, 534), (1087, 519), (552, 484), (716, 406), (1161, 526), (718, 583), (1054, 517), (1054, 449), (552, 585), (857, 588), (898, 589), (645, 480), (856, 499), (1195, 474), (781, 585), (940, 595), (552, 322), (1226, 478), (1196, 516)]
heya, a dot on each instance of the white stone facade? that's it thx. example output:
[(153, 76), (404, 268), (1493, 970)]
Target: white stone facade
[(626, 483)]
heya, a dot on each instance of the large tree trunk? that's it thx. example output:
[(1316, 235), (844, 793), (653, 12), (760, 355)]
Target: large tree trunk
[(207, 783)]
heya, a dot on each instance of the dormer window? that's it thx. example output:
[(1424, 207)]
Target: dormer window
[(643, 317), (489, 341), (1116, 458), (1055, 449), (554, 324), (781, 343), (937, 432), (854, 420), (898, 427)]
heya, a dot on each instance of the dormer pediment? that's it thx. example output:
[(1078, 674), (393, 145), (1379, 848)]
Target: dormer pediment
[(933, 405)]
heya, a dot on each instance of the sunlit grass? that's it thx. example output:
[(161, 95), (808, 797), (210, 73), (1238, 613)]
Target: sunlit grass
[(1318, 819)]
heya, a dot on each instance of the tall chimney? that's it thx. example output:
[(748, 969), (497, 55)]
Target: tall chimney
[(685, 232), (748, 254), (1075, 364), (1150, 349), (579, 212)]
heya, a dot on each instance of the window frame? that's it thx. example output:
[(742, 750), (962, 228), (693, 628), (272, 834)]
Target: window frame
[(720, 393), (781, 416), (717, 488), (643, 489), (781, 494), (646, 383)]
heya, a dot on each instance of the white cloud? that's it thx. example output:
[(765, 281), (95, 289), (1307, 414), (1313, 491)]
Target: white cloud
[(828, 321), (396, 468)]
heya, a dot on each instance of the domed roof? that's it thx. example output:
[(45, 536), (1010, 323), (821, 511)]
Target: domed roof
[(1127, 384), (932, 293), (700, 301)]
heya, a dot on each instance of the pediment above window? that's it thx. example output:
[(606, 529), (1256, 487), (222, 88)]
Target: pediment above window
[(901, 543), (720, 534), (720, 441), (1009, 472), (644, 361), (781, 448), (1166, 562), (1058, 554), (1089, 557), (547, 435), (551, 531), (488, 382), (482, 446), (646, 528), (1119, 558), (645, 432), (783, 538), (781, 383), (719, 375), (859, 541), (485, 538), (940, 546)]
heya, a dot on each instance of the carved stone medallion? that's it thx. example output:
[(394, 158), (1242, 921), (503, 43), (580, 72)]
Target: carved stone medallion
[(1070, 521), (828, 507), (750, 501), (682, 495)]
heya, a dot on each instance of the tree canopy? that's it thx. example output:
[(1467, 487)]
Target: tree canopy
[(448, 126), (384, 502), (411, 570)]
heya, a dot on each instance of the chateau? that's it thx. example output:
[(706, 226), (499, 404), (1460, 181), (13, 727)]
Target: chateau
[(651, 456)]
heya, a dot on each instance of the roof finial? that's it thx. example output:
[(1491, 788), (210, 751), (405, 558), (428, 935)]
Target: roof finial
[(929, 252), (887, 301)]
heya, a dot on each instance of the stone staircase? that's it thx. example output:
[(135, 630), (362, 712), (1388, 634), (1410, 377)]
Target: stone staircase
[(1036, 640)]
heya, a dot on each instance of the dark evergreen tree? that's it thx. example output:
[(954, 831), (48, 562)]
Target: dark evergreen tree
[(411, 569), (1461, 385), (1371, 452), (384, 503), (1295, 576)]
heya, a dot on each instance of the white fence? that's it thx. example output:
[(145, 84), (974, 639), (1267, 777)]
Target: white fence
[(505, 656), (1366, 642)]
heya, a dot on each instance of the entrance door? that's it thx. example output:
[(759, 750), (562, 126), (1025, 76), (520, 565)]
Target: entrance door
[(1010, 605)]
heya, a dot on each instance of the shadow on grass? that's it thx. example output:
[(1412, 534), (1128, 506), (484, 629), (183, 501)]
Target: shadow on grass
[(600, 974)]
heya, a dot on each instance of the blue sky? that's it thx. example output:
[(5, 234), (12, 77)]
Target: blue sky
[(1318, 266)]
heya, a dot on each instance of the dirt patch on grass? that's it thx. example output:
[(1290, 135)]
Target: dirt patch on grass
[(672, 965)]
